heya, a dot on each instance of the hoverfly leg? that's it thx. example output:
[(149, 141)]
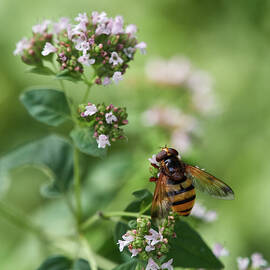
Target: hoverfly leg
[(153, 179), (155, 166)]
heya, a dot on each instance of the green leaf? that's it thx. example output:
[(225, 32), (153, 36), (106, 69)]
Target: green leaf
[(86, 143), (130, 265), (52, 154), (189, 250), (41, 70), (67, 75), (143, 198), (48, 106), (59, 262)]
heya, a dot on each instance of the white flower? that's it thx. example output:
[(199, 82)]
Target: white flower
[(153, 160), (117, 26), (127, 240), (22, 45), (134, 252), (115, 59), (151, 265), (103, 28), (257, 260), (61, 25), (129, 52), (82, 17), (117, 76), (41, 28), (149, 248), (242, 263), (90, 110), (198, 210), (110, 118), (102, 141), (167, 265), (181, 140), (84, 59), (220, 251), (154, 237), (48, 48), (131, 29), (210, 216), (142, 47), (82, 45), (106, 81), (99, 18)]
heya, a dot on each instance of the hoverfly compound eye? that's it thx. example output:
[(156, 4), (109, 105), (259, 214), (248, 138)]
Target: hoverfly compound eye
[(173, 152), (161, 155)]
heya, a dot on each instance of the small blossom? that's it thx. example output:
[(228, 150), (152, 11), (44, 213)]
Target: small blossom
[(41, 28), (131, 29), (153, 160), (167, 265), (257, 260), (103, 29), (220, 251), (102, 141), (48, 48), (82, 45), (127, 240), (84, 59), (149, 248), (117, 26), (142, 47), (134, 252), (106, 81), (90, 110), (152, 265), (22, 45), (110, 118), (242, 263), (99, 18), (210, 215), (117, 76), (115, 59), (154, 237), (82, 17), (61, 25), (129, 52)]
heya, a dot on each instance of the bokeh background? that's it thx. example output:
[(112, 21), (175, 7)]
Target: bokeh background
[(228, 39)]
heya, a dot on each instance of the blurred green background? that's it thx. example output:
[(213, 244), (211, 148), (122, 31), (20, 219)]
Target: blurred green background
[(230, 40)]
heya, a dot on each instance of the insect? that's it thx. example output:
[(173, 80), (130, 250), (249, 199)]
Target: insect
[(177, 182)]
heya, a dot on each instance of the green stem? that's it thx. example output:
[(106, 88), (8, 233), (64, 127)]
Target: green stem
[(104, 263), (89, 253), (77, 185), (145, 208), (85, 97)]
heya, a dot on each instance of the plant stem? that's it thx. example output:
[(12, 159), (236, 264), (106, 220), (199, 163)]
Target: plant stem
[(89, 253), (145, 208), (104, 263), (85, 97), (77, 185)]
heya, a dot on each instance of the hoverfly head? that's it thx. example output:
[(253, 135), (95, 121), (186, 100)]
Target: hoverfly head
[(166, 152)]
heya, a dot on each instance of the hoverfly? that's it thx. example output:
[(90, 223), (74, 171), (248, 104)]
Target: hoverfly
[(176, 183)]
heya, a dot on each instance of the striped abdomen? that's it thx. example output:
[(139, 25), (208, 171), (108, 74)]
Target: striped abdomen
[(182, 195)]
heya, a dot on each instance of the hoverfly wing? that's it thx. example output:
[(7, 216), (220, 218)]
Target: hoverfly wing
[(161, 204), (208, 183)]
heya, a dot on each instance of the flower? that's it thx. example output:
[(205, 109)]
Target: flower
[(106, 81), (82, 45), (117, 76), (210, 216), (90, 110), (220, 251), (129, 52), (103, 29), (128, 238), (242, 263), (82, 17), (84, 59), (153, 160), (167, 265), (151, 265), (41, 28), (110, 118), (142, 47), (181, 140), (48, 48), (257, 260), (61, 25), (149, 248), (131, 29), (102, 141), (99, 17), (199, 211), (154, 237), (115, 59), (22, 45), (117, 26), (134, 252)]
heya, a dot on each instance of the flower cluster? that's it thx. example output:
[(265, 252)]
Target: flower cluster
[(150, 245), (104, 43), (199, 211), (256, 262), (105, 121), (178, 72), (181, 126)]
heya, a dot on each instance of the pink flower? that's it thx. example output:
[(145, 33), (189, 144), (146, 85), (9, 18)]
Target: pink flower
[(22, 45), (131, 29), (117, 26), (61, 25), (127, 240), (154, 237), (134, 252), (106, 81), (82, 45), (115, 59), (257, 260), (104, 28), (181, 140), (129, 52), (48, 48), (149, 248), (90, 110), (99, 17), (103, 140), (242, 263), (117, 76), (82, 17), (220, 251), (84, 59), (153, 160), (210, 216), (142, 47), (41, 28), (152, 265), (167, 265), (110, 118)]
